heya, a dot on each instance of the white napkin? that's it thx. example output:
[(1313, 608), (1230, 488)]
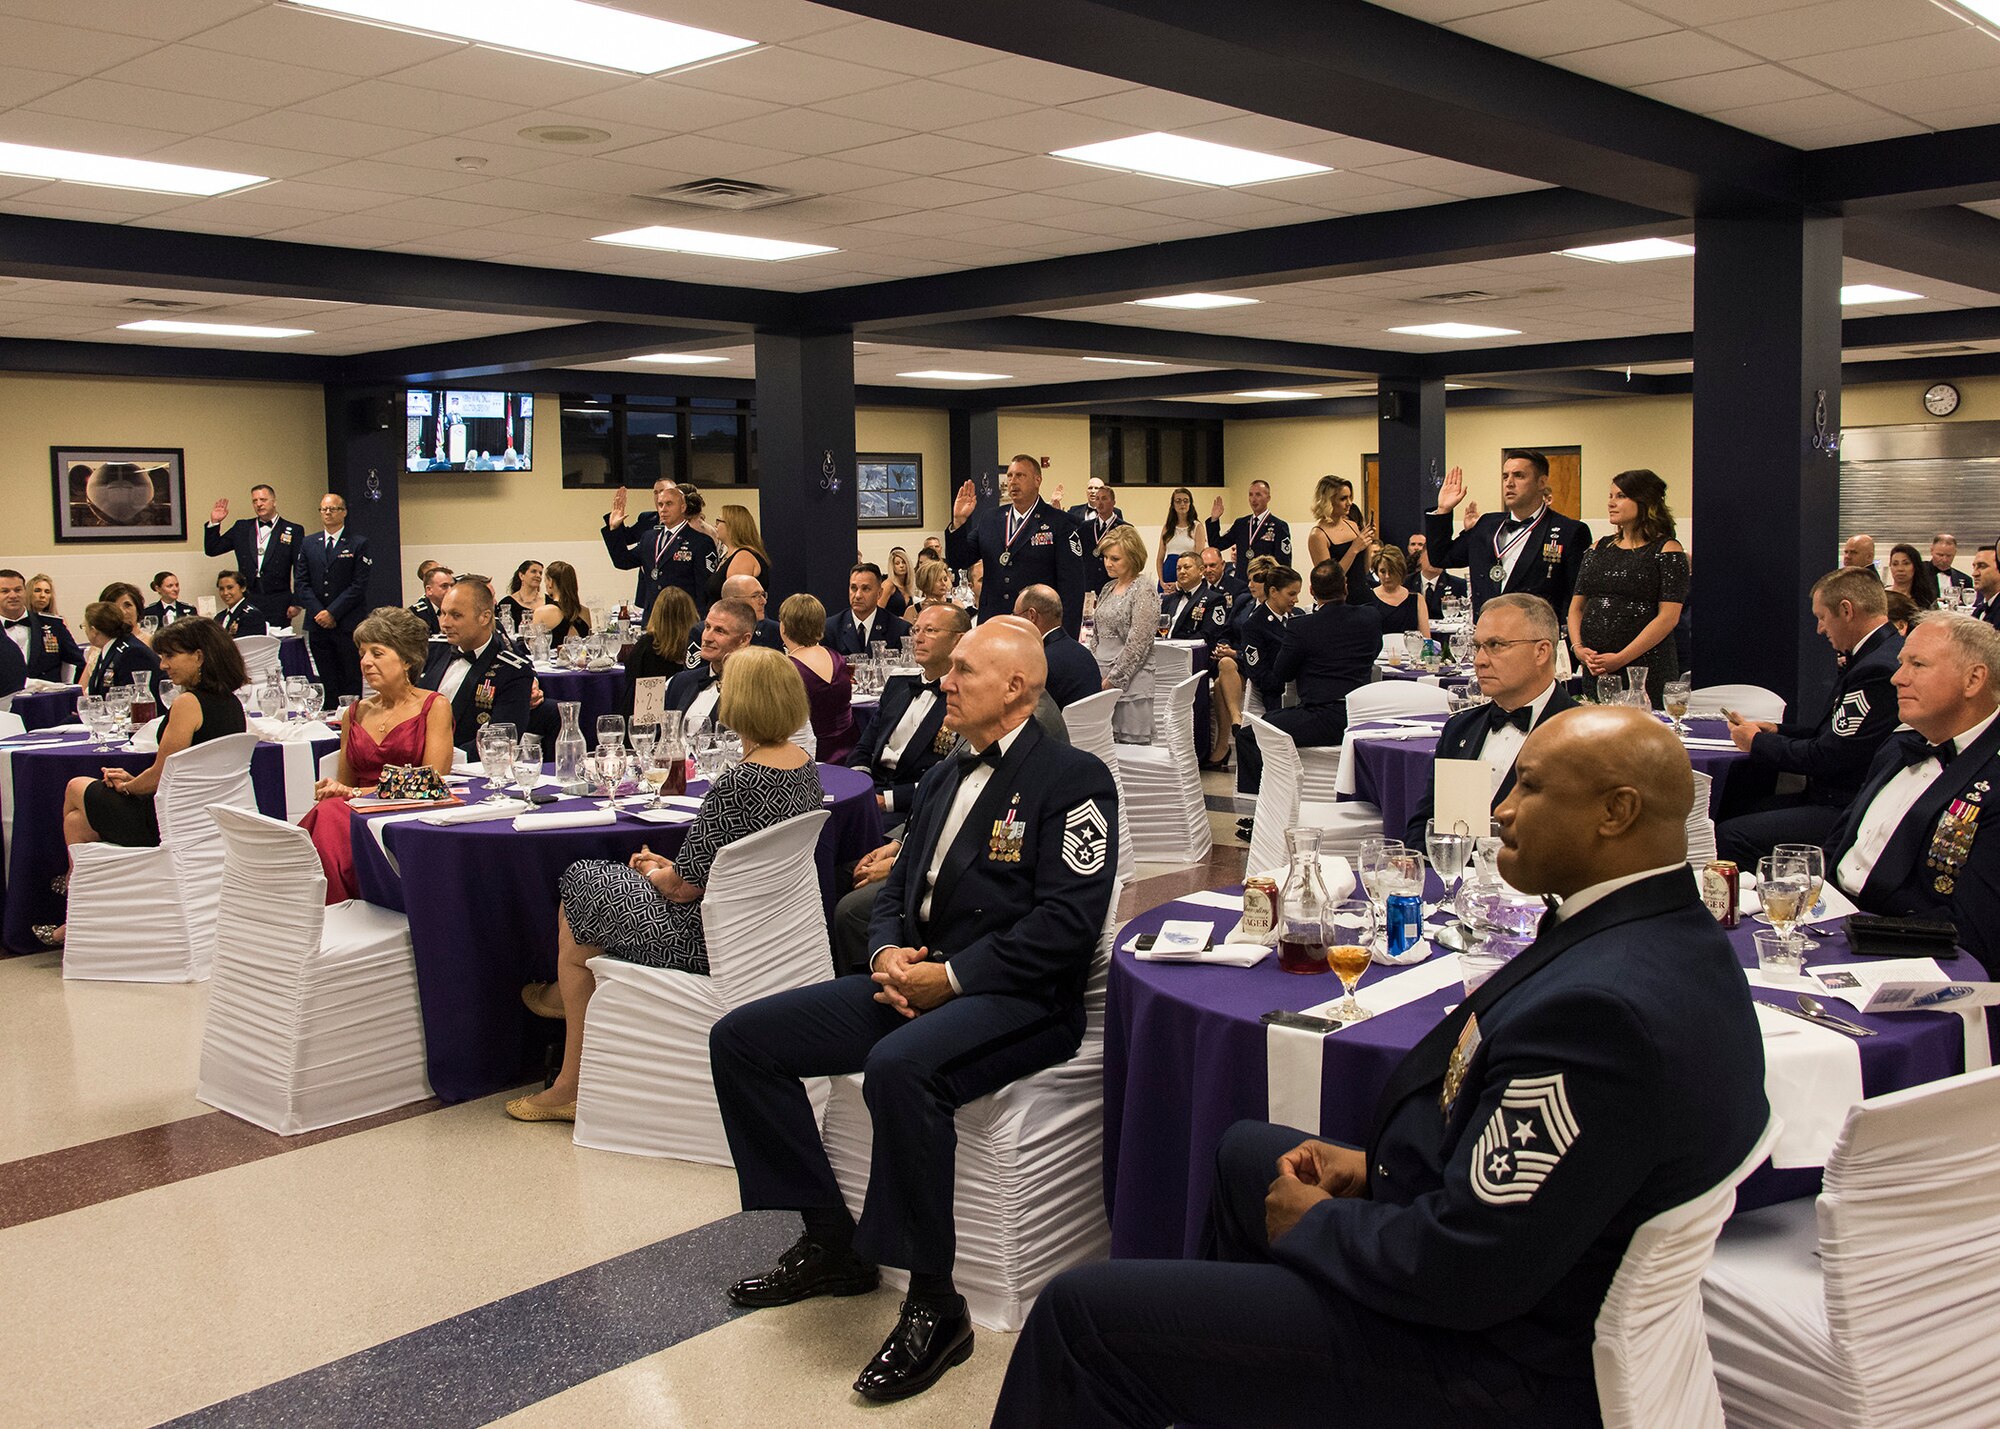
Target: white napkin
[(1812, 1075), (1228, 955), (579, 819), (1209, 898), (43, 687), (1693, 742), (478, 813), (1293, 1056), (661, 816)]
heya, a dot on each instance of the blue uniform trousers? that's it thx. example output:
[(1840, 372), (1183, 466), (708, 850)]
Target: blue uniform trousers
[(918, 1071), (1234, 1339)]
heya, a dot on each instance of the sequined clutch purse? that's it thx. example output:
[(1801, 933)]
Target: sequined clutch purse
[(411, 781)]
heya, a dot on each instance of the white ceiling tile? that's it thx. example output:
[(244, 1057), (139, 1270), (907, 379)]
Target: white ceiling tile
[(1879, 126), (804, 131), (1731, 89), (207, 151), (1940, 92), (1027, 208), (1029, 175), (1092, 218), (1349, 153), (1250, 206), (928, 193), (65, 49), (243, 215), (1962, 117), (1155, 109), (608, 176), (785, 76), (885, 46), (937, 222), (766, 21), (324, 198), (66, 131), (820, 174), (317, 134), (659, 104), (1906, 61), (1674, 55), (147, 19), (557, 226), (192, 70), (277, 32), (473, 69), (378, 177), (925, 106), (18, 86), (376, 101), (361, 230), (502, 161), (1036, 81), (1835, 25), (1040, 131), (433, 209), (1109, 187), (111, 102), (1812, 111), (924, 154), (1551, 27)]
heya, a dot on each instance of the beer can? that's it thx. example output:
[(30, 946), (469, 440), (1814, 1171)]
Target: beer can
[(1260, 908), (1405, 922), (1719, 890)]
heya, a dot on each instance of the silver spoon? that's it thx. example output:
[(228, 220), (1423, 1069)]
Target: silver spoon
[(1813, 1008)]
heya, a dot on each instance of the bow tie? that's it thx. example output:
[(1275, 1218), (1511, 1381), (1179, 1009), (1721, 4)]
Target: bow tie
[(263, 525), (1918, 752), (1513, 524), (11, 624), (466, 655), (991, 754), (932, 687), (1497, 718)]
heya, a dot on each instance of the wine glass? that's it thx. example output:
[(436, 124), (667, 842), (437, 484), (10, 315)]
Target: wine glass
[(1814, 858), (1609, 688), (1677, 693), (1371, 861), (1450, 850), (1782, 884), (92, 711), (1350, 926), (611, 729), (607, 767), (528, 764), (168, 691), (118, 699), (496, 758), (645, 738)]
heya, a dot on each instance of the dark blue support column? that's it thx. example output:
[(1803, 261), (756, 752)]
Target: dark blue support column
[(975, 457), (1410, 438), (805, 462), (1766, 479), (364, 463)]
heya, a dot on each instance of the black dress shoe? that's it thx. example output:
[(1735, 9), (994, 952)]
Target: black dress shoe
[(1243, 829), (806, 1270), (928, 1340)]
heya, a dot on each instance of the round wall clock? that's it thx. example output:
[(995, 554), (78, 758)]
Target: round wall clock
[(1941, 400)]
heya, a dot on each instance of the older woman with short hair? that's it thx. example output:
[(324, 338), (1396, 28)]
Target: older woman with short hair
[(1122, 632), (648, 909), (829, 683)]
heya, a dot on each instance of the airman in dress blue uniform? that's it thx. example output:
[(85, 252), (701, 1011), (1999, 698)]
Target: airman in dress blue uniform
[(1529, 548), (1024, 542), (661, 546), (33, 646), (331, 582), (1258, 534), (486, 677), (266, 548)]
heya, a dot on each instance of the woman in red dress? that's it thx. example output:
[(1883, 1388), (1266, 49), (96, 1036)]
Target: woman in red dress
[(398, 724)]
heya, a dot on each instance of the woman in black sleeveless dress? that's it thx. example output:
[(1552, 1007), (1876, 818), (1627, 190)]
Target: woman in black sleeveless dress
[(1630, 589)]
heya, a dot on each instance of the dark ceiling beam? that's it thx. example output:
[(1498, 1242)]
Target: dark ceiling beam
[(1922, 329), (1054, 337), (1351, 68), (1950, 244), (135, 359), (1558, 356), (71, 251), (1173, 411), (1469, 231), (1916, 369), (1582, 382), (1134, 389), (1917, 171), (571, 344)]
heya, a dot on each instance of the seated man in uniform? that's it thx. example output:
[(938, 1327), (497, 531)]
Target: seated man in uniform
[(724, 630), (1913, 843), (984, 936), (475, 667), (1452, 1272), (1073, 672), (1330, 652), (908, 736), (1514, 657)]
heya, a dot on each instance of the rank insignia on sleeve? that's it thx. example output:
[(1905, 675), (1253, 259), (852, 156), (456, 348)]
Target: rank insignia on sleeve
[(1250, 656), (1850, 712), (1527, 1137), (1086, 840), (1076, 543)]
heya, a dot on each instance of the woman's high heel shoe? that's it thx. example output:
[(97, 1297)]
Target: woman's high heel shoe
[(49, 935)]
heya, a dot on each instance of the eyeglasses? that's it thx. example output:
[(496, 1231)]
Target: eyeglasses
[(1494, 647), (461, 580)]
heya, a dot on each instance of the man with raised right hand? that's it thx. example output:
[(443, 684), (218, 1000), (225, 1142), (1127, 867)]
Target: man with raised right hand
[(266, 548)]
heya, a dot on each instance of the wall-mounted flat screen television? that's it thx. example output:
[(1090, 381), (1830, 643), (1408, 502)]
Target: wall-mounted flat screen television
[(449, 430)]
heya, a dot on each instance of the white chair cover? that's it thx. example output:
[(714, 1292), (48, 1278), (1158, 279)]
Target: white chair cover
[(1750, 701), (1028, 1191), (1650, 1350), (1161, 786), (1389, 698), (1089, 723), (1877, 1307), (148, 914), (1281, 805), (1700, 827), (260, 656), (11, 723), (646, 1088), (313, 1018), (805, 739)]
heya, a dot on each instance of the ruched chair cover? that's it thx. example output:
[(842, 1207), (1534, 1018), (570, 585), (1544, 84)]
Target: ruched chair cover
[(1088, 721), (1342, 826), (1385, 699), (313, 1017), (1651, 1348), (11, 724), (1876, 1306), (260, 656), (645, 1086), (1160, 785), (1028, 1192), (1700, 827), (1750, 701), (148, 914)]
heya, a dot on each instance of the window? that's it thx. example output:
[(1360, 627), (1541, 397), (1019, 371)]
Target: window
[(1156, 451), (636, 441), (889, 489)]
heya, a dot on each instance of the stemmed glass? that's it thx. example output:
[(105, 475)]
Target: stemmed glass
[(1609, 688), (96, 717), (1782, 886), (607, 767), (1677, 693), (645, 738), (118, 699), (496, 758), (1814, 859), (611, 729), (1350, 926), (1371, 862), (528, 765), (1450, 850)]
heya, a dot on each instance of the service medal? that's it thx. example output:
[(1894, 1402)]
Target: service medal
[(1498, 574), (1006, 558), (1943, 884)]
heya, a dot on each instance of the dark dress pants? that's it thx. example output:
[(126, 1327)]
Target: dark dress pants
[(336, 658), (1234, 1339), (1748, 837), (1310, 726), (919, 1071)]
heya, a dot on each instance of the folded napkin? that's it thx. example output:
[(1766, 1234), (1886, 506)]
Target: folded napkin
[(578, 819), (1812, 1075), (661, 816), (1229, 955), (1694, 743), (478, 813), (43, 687)]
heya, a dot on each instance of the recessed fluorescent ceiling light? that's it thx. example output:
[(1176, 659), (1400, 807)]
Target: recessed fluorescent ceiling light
[(1279, 394), (212, 329), (713, 245), (1857, 294), (553, 29), (1988, 10), (678, 359), (1125, 361), (1196, 160), (1456, 330), (1638, 250), (939, 374), (29, 161), (1193, 300)]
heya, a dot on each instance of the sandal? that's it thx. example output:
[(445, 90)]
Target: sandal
[(49, 935), (536, 996)]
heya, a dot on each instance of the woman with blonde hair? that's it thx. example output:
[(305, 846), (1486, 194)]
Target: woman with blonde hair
[(1336, 535), (564, 614), (1122, 633), (933, 582), (829, 683), (42, 595), (742, 552), (897, 594), (648, 909)]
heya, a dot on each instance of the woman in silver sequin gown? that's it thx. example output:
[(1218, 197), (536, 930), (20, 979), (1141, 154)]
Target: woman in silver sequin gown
[(1121, 637), (1630, 589)]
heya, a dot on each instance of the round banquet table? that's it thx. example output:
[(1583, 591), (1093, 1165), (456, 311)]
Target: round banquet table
[(35, 770), (482, 898), (294, 657), (865, 708), (1392, 774), (600, 692), (1184, 1058), (46, 709)]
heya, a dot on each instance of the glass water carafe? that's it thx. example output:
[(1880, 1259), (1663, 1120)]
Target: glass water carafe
[(1302, 906), (570, 747)]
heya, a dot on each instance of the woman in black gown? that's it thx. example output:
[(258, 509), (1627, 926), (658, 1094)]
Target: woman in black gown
[(1630, 589)]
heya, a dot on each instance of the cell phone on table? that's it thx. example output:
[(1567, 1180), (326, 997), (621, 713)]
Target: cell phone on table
[(543, 796), (1306, 1021), (1145, 941)]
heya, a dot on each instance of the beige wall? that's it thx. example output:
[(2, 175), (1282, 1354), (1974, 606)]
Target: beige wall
[(1896, 404), (234, 435)]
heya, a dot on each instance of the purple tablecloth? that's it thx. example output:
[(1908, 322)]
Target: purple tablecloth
[(47, 710), (36, 853), (481, 899), (294, 658), (600, 692), (1392, 774), (1184, 1057)]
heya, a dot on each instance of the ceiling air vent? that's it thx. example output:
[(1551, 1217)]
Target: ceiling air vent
[(1952, 349), (1469, 295), (732, 195), (160, 305)]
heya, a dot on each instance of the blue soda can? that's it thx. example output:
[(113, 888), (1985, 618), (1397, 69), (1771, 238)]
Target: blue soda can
[(1405, 922)]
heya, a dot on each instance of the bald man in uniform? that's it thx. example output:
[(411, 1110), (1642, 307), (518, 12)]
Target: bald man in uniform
[(1452, 1271), (983, 937)]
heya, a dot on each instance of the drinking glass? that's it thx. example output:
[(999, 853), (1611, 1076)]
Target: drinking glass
[(1782, 885), (611, 730), (528, 765), (1777, 954), (1370, 862), (315, 700), (1609, 688), (92, 711), (168, 690), (496, 757), (607, 767), (1814, 858), (119, 700), (1450, 850), (148, 625), (1350, 926), (1677, 693)]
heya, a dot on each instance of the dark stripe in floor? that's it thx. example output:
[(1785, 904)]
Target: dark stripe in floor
[(513, 1352), (36, 1187), (1223, 866), (1220, 803)]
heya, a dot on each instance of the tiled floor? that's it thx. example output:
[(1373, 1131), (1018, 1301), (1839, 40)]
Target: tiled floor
[(439, 1266)]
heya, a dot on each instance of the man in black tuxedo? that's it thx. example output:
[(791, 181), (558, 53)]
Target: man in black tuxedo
[(1986, 585), (1514, 656), (266, 550), (1832, 753), (1180, 614), (1529, 547), (1432, 583), (1913, 843), (984, 937), (663, 546), (908, 736), (1452, 1270), (475, 667), (237, 614), (1258, 534), (1329, 653), (1023, 542), (726, 629), (1073, 672), (331, 579), (1944, 556), (169, 607), (852, 630), (37, 646)]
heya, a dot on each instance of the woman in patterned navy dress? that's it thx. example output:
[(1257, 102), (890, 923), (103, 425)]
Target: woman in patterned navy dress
[(648, 910)]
